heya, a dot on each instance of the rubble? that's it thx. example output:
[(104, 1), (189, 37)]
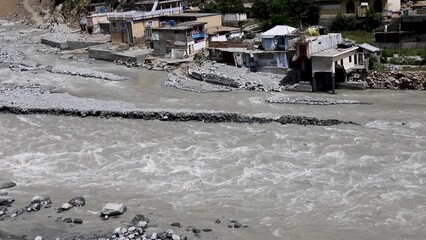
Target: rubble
[(310, 101), (412, 80)]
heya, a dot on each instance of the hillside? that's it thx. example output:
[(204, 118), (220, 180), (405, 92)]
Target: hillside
[(68, 11), (31, 11)]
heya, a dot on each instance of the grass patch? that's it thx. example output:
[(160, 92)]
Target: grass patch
[(359, 36)]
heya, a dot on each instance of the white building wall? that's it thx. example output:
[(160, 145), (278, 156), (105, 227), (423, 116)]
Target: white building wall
[(219, 38), (200, 45), (234, 17), (237, 35), (394, 5)]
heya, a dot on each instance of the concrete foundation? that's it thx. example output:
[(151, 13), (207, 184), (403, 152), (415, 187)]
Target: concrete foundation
[(100, 52), (69, 45), (352, 85)]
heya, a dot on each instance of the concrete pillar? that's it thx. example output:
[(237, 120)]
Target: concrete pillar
[(333, 80)]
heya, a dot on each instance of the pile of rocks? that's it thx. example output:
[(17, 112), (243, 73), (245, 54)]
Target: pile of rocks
[(310, 101), (240, 78), (36, 204), (187, 84), (138, 229), (16, 59), (74, 202), (414, 80), (83, 72), (5, 201), (159, 65)]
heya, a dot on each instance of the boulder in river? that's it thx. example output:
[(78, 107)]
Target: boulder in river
[(43, 199), (3, 211), (66, 206), (78, 221), (78, 202), (5, 185), (6, 201), (33, 207), (113, 209)]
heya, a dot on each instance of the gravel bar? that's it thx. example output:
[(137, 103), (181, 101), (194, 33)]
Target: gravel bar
[(34, 100)]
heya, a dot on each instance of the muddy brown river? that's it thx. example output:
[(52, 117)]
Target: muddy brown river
[(287, 182)]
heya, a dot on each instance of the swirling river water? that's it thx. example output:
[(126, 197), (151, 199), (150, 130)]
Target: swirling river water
[(288, 182)]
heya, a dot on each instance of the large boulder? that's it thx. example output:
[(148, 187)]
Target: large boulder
[(77, 202), (5, 200), (113, 209), (5, 185), (43, 199)]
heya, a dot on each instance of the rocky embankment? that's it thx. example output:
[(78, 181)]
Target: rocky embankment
[(34, 100), (311, 101), (187, 84), (395, 80), (217, 77), (17, 60), (140, 227)]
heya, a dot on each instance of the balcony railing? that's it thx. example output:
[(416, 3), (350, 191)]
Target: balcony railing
[(199, 35), (134, 15)]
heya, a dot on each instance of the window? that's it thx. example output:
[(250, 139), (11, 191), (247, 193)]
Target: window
[(335, 63), (350, 7), (350, 59), (378, 6), (355, 59), (341, 62), (302, 50), (361, 59), (114, 25)]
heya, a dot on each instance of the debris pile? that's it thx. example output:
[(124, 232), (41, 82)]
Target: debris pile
[(393, 79)]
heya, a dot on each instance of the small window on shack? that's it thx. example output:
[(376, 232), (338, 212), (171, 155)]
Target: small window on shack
[(265, 56), (114, 25), (350, 59)]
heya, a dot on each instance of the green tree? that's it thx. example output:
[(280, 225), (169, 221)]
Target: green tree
[(231, 6), (224, 6), (306, 11), (290, 12), (261, 9), (372, 20), (210, 7)]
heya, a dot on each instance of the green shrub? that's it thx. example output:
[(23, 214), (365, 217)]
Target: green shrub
[(345, 23), (372, 62)]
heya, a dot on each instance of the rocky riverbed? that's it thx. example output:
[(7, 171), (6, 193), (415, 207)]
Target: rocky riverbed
[(139, 228), (395, 80), (218, 77)]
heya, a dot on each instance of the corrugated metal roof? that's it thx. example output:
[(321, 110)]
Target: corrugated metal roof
[(280, 30), (369, 47)]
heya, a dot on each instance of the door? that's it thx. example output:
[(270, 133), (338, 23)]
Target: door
[(129, 31)]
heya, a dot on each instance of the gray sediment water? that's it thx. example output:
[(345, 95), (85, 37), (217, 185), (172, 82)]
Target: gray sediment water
[(290, 182)]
